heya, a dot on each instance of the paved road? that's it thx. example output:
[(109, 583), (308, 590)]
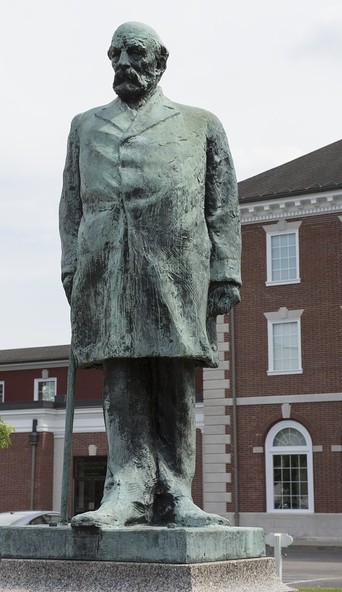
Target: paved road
[(307, 567)]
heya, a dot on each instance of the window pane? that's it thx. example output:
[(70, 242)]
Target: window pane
[(304, 489), (285, 346), (46, 390), (290, 489), (290, 437), (283, 257), (295, 502), (303, 474), (286, 478)]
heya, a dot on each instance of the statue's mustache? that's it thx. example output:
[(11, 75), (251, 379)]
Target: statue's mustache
[(126, 75)]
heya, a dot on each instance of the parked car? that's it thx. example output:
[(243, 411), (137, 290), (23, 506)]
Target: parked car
[(29, 518)]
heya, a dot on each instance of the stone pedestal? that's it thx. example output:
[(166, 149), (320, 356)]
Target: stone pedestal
[(244, 575), (134, 544), (220, 559)]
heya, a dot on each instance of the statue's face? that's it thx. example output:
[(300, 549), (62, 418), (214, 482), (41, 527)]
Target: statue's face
[(134, 61)]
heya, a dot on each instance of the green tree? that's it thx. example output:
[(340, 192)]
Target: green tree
[(5, 433)]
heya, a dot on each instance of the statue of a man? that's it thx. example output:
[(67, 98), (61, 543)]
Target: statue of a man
[(150, 231)]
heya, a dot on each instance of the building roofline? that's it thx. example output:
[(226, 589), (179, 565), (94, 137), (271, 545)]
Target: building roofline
[(318, 171), (290, 192), (31, 355)]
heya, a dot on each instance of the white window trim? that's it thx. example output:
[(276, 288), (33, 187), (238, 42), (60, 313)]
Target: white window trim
[(271, 450), (282, 227), (2, 383), (283, 315), (37, 381)]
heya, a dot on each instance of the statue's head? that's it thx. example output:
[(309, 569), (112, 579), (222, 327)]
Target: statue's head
[(139, 59)]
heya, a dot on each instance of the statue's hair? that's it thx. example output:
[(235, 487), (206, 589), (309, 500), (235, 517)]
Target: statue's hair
[(162, 53)]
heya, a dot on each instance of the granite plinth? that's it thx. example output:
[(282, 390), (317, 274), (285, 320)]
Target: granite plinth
[(135, 544), (244, 575)]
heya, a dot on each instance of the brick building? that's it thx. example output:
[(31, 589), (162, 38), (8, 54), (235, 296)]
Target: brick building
[(288, 348)]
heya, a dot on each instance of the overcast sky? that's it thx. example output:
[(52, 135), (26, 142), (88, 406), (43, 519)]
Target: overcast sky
[(269, 69)]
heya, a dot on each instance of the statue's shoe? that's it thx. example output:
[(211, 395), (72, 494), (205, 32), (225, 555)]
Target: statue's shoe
[(108, 516), (181, 511)]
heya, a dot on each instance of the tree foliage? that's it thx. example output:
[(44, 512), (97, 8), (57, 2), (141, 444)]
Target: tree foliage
[(5, 434)]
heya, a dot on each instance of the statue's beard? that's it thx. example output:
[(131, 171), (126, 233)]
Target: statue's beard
[(128, 84)]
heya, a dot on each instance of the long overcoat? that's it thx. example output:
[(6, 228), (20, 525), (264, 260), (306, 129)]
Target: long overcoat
[(149, 217)]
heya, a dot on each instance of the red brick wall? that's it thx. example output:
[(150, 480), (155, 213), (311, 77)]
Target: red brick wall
[(319, 294), (82, 441), (44, 472), (89, 383), (19, 384), (15, 473), (322, 420)]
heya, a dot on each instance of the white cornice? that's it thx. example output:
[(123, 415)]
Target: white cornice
[(311, 204), (86, 420)]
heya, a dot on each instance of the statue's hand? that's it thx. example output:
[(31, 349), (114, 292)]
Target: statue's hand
[(222, 297), (67, 280)]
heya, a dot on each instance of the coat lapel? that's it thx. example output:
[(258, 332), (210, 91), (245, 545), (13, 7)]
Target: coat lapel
[(157, 109), (117, 113)]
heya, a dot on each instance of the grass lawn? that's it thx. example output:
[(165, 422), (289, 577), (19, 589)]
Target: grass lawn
[(320, 589)]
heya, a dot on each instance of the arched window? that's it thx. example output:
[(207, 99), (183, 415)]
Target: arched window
[(289, 474)]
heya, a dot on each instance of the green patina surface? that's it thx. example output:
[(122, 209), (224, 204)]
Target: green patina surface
[(150, 232), (144, 544)]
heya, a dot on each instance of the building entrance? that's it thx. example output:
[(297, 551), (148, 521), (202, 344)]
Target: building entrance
[(89, 478)]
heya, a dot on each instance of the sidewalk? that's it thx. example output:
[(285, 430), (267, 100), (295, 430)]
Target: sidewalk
[(317, 542)]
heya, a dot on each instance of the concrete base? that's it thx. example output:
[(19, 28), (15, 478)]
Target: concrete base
[(246, 575), (135, 544)]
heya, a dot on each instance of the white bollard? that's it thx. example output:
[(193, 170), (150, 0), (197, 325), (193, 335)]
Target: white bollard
[(278, 540)]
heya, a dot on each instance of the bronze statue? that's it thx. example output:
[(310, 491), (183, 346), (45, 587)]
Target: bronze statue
[(150, 230)]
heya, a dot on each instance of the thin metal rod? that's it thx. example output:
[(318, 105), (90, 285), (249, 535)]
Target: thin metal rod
[(234, 420), (33, 475), (69, 422)]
